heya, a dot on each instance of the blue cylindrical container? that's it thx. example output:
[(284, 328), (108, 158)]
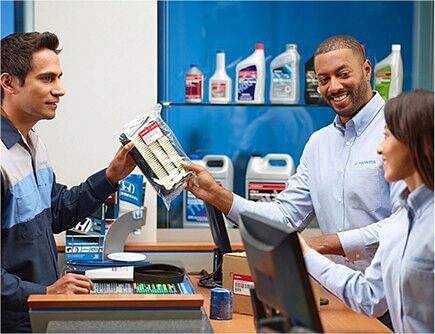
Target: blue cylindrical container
[(221, 304)]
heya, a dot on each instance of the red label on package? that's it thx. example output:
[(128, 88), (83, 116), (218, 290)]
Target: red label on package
[(151, 133), (218, 89), (242, 284), (383, 74), (264, 192), (267, 186), (250, 74), (193, 87)]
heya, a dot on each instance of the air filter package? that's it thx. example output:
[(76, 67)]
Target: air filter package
[(157, 153)]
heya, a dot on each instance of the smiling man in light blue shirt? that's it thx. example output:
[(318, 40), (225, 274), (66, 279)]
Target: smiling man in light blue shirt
[(340, 177)]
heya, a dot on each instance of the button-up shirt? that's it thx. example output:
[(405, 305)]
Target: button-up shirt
[(340, 181), (33, 207), (401, 275)]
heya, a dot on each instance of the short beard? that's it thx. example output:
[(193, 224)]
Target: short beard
[(358, 97)]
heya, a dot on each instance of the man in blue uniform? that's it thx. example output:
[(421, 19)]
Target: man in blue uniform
[(33, 205)]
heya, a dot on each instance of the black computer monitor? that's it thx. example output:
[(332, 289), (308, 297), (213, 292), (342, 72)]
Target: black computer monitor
[(278, 270), (222, 242)]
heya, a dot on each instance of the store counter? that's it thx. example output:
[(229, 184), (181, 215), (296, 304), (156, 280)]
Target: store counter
[(182, 314), (194, 249)]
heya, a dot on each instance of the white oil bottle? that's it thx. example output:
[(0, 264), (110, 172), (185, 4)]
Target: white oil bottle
[(389, 74), (284, 76), (250, 77), (219, 85), (265, 180), (221, 169)]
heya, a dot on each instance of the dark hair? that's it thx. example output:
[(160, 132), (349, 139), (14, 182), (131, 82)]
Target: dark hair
[(17, 50), (340, 42), (409, 117)]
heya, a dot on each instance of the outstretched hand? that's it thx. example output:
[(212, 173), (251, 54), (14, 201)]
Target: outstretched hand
[(121, 165), (201, 183), (203, 186), (71, 284)]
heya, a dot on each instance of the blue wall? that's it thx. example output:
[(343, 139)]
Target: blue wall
[(7, 17)]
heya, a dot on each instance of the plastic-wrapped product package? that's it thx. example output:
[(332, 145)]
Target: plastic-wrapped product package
[(157, 153)]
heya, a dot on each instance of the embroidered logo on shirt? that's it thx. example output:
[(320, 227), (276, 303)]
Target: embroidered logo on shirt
[(42, 163), (365, 163)]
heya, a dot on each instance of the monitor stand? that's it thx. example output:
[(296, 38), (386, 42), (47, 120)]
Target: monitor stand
[(214, 279), (267, 320)]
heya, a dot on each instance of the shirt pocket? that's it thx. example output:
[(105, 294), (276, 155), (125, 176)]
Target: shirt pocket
[(364, 189), (31, 230), (27, 201), (418, 289)]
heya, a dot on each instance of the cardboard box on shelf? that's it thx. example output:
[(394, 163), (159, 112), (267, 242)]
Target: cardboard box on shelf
[(236, 276)]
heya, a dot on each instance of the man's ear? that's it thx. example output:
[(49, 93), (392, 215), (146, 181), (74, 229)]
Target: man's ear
[(8, 82), (367, 68)]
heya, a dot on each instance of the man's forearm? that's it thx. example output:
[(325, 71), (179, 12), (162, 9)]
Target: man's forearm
[(326, 244), (222, 199)]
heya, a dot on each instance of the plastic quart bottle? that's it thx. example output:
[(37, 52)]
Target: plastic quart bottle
[(194, 82), (250, 77), (389, 74), (284, 76), (219, 85), (311, 92)]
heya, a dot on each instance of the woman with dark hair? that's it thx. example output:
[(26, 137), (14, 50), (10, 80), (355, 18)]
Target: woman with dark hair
[(401, 275)]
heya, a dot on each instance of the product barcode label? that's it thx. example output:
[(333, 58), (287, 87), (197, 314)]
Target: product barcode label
[(151, 133), (242, 285)]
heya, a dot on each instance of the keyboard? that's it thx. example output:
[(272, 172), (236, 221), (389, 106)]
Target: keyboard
[(102, 287)]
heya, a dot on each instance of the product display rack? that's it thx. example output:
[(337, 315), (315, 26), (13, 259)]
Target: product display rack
[(179, 104), (241, 130)]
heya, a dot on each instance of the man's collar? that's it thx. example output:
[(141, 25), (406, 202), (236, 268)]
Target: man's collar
[(363, 118), (9, 133)]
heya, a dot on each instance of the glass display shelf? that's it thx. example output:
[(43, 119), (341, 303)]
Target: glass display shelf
[(182, 104)]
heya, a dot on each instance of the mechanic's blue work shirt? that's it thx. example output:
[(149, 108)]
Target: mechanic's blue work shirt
[(33, 207)]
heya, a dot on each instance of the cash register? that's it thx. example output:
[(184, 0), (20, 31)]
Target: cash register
[(155, 292), (109, 276)]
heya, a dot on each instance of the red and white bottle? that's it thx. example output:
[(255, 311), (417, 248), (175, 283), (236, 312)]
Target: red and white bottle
[(194, 83)]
